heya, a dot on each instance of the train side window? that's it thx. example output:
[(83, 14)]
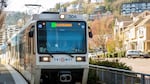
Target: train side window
[(90, 32), (31, 32), (31, 35)]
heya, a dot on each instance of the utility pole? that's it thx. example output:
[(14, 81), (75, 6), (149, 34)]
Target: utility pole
[(3, 4)]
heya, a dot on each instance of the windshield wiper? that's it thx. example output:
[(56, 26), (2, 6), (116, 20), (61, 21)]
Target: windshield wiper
[(50, 55)]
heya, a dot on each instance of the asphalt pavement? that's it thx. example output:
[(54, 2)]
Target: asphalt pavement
[(9, 76), (5, 76)]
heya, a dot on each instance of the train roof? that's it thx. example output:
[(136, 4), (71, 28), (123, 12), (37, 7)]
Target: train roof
[(49, 16), (58, 16)]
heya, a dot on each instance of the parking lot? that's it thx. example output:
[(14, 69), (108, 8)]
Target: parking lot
[(141, 65)]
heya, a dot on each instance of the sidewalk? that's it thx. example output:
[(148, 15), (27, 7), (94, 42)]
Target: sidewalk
[(9, 76)]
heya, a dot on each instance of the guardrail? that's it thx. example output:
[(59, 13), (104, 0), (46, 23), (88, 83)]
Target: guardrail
[(107, 75)]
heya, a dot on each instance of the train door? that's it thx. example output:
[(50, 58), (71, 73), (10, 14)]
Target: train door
[(32, 53)]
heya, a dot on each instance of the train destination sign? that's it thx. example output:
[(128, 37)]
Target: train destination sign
[(54, 25)]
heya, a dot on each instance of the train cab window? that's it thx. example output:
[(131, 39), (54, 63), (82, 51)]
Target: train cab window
[(31, 39), (31, 32), (57, 37)]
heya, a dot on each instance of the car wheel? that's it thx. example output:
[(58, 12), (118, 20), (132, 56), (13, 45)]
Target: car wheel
[(141, 56), (128, 56)]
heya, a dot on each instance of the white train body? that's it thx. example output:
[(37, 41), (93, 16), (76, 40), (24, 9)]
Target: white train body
[(51, 49)]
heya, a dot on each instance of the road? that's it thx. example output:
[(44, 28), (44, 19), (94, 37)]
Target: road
[(141, 65)]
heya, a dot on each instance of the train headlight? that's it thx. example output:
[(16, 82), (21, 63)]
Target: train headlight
[(80, 59), (62, 16), (45, 59)]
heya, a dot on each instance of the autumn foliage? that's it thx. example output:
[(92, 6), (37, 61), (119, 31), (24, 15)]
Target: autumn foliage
[(102, 30), (110, 45)]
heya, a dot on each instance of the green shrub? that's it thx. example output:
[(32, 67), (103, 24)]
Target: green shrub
[(109, 55), (115, 54), (92, 79), (113, 64), (148, 52), (121, 53)]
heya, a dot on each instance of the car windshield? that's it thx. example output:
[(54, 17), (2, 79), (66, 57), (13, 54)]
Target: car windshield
[(134, 52), (59, 37)]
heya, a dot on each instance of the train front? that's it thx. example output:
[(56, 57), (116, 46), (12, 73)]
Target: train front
[(62, 49)]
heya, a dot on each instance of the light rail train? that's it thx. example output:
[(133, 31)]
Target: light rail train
[(52, 48)]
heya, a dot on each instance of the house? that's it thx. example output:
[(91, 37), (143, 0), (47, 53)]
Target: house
[(135, 35), (74, 8), (94, 1), (134, 7), (121, 24)]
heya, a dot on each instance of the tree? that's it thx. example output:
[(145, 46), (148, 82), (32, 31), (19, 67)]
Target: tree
[(57, 6), (65, 4), (75, 2), (87, 8), (2, 18), (110, 45), (101, 30), (13, 18)]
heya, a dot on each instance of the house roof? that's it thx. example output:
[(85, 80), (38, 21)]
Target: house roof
[(135, 23), (124, 18), (127, 23), (143, 14), (148, 21), (144, 21), (134, 14), (138, 21)]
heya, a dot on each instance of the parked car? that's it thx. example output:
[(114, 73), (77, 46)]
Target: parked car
[(145, 55), (95, 56), (92, 55), (134, 53)]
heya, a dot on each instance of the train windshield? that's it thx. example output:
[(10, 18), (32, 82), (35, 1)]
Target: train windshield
[(61, 37)]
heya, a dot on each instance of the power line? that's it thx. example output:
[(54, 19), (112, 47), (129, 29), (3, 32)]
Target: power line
[(31, 7)]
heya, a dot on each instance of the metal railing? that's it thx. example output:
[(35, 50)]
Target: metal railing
[(107, 75)]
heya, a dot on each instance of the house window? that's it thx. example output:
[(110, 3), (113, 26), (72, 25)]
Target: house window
[(141, 32), (148, 45)]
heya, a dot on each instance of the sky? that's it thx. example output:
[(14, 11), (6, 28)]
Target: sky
[(19, 5)]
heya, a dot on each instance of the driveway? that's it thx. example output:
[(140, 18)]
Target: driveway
[(141, 65)]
